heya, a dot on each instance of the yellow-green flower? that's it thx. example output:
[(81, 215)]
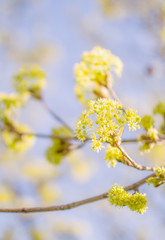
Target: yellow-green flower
[(9, 103), (112, 155), (59, 147), (93, 73), (119, 197), (17, 141), (30, 80), (104, 121)]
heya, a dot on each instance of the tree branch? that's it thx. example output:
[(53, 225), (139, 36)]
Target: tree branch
[(68, 206), (54, 115), (131, 162), (50, 136)]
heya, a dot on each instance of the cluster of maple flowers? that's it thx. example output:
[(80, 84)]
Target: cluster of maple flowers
[(104, 121), (91, 73)]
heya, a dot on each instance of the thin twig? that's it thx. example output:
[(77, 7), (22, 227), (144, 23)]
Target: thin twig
[(52, 136), (55, 115), (76, 147), (73, 204), (131, 162), (111, 91), (135, 140), (113, 94)]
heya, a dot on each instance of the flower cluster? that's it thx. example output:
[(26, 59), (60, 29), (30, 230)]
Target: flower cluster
[(104, 122), (152, 135), (93, 73), (119, 197), (159, 178), (109, 119), (30, 81), (147, 122), (59, 147), (160, 109), (112, 155), (9, 103), (132, 119), (15, 140)]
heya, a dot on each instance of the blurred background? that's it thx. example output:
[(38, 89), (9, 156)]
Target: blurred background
[(53, 34)]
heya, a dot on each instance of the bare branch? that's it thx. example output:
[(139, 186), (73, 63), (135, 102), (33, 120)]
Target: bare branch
[(50, 136), (111, 91), (68, 206), (55, 115), (135, 140), (131, 162)]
